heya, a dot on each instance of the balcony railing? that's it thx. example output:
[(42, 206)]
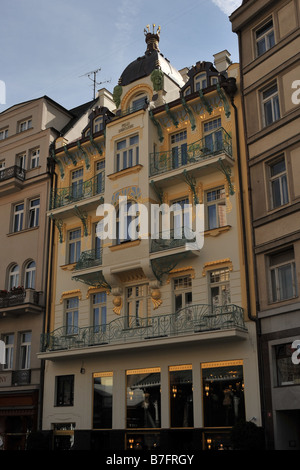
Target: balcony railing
[(12, 172), (89, 258), (193, 319), (77, 192), (172, 239), (212, 144), (18, 297)]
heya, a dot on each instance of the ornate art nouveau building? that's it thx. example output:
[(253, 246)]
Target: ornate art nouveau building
[(151, 342)]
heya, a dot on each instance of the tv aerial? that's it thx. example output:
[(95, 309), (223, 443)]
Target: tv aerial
[(92, 76)]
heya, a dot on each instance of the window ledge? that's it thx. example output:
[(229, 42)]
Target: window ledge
[(125, 172), (124, 245), (216, 231), (30, 229), (68, 267)]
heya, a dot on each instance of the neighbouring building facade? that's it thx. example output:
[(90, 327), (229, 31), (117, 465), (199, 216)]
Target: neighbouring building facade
[(26, 131), (269, 40), (150, 342)]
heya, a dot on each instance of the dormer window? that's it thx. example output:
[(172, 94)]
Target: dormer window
[(138, 102), (200, 81), (187, 91), (98, 124), (214, 80)]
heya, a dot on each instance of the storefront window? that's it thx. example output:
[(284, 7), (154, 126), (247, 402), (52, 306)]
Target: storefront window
[(63, 436), (287, 372), (223, 393), (181, 396), (143, 398), (102, 410)]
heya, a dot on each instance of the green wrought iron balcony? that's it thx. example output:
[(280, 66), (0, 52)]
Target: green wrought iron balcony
[(194, 319), (89, 259), (209, 146), (172, 239), (77, 192)]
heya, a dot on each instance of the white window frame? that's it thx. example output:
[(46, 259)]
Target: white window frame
[(72, 315), (270, 100), (30, 271), (127, 152), (25, 350), (99, 309), (98, 124), (216, 197), (21, 160), (9, 339), (18, 217), (25, 125), (137, 305), (3, 134), (74, 245), (14, 276), (34, 158), (183, 292), (77, 183), (267, 36), (34, 212), (275, 280), (282, 179), (219, 279)]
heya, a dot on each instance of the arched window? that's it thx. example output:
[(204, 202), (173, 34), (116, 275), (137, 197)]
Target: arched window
[(30, 275), (200, 81), (13, 277), (138, 101)]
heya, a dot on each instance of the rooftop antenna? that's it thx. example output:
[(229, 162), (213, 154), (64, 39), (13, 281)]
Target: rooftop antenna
[(93, 74)]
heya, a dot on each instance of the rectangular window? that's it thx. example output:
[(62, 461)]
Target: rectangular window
[(219, 287), (100, 177), (278, 183), (270, 105), (34, 211), (287, 372), (102, 407), (77, 184), (265, 38), (215, 209), (9, 351), (143, 398), (64, 390), (74, 245), (3, 134), (213, 137), (179, 149), (34, 158), (182, 292), (99, 311), (137, 301), (24, 125), (181, 396), (18, 217), (223, 393), (21, 160), (25, 350), (283, 275), (72, 316), (127, 153)]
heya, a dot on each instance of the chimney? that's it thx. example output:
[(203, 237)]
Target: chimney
[(222, 60)]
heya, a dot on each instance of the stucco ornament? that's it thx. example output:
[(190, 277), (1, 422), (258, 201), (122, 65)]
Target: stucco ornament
[(117, 95), (157, 78)]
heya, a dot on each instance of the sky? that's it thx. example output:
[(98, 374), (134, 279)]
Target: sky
[(49, 48)]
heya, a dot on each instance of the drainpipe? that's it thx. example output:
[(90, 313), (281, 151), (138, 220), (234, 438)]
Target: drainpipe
[(250, 316), (53, 178)]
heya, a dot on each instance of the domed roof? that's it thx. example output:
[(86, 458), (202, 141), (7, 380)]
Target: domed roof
[(151, 60)]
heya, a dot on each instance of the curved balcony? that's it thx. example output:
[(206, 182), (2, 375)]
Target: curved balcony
[(191, 320), (212, 145), (89, 259)]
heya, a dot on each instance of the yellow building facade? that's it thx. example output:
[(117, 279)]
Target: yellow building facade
[(150, 340)]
